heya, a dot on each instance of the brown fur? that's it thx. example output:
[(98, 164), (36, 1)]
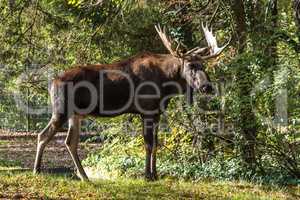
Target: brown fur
[(156, 68), (113, 91)]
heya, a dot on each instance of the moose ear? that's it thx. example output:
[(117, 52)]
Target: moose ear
[(189, 95)]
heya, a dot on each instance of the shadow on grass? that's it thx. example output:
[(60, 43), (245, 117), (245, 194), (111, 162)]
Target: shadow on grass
[(57, 181), (61, 172), (62, 183), (14, 167)]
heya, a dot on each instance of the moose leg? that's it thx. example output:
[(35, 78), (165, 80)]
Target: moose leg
[(153, 156), (71, 142), (150, 125), (44, 138)]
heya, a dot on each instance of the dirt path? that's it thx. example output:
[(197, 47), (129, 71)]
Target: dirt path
[(21, 148)]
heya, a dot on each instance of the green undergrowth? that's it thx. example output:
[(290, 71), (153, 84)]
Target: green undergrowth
[(124, 156)]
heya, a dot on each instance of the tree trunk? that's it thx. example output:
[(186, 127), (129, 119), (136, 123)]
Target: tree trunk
[(240, 21), (247, 121), (297, 12), (297, 19)]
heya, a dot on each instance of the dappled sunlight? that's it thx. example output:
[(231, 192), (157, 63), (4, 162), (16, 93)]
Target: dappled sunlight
[(140, 99), (49, 186)]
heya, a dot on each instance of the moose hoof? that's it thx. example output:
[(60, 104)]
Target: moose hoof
[(82, 176), (84, 179), (36, 171), (151, 177)]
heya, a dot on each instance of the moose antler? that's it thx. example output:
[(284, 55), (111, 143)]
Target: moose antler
[(167, 41), (212, 43), (197, 51)]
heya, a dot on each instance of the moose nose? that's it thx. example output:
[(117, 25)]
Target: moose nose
[(206, 88)]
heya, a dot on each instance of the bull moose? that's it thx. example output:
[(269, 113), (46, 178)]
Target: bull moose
[(142, 84)]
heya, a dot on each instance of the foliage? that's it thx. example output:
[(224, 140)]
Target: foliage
[(179, 157), (255, 112)]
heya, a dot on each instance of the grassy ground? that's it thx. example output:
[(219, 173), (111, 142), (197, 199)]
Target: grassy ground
[(16, 182), (24, 185)]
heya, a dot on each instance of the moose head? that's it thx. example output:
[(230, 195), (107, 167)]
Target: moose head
[(192, 62)]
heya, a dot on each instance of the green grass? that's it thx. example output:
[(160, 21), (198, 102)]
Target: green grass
[(9, 164), (3, 142), (16, 184)]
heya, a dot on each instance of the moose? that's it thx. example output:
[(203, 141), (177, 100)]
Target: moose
[(142, 84)]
